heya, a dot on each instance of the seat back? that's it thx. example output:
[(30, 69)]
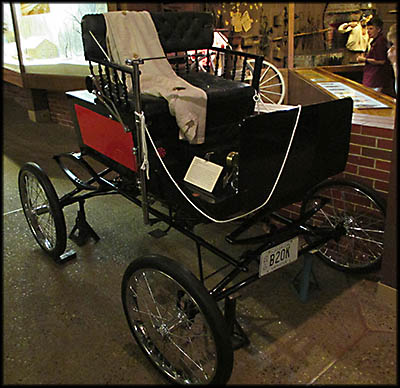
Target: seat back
[(177, 31), (319, 151)]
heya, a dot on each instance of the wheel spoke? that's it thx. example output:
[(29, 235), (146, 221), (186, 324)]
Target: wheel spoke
[(151, 294), (263, 91), (267, 98), (250, 65), (358, 229), (365, 239), (263, 85), (264, 72), (186, 355), (269, 79)]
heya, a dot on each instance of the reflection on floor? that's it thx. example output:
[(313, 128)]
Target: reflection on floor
[(63, 324)]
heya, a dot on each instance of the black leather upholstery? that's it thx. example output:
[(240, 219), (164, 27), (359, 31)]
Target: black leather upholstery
[(177, 31), (227, 101), (180, 31), (97, 25)]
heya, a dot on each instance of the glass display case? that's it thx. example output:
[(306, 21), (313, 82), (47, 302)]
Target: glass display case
[(10, 52), (48, 35)]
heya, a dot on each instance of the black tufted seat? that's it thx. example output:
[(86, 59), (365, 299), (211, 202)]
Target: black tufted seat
[(227, 101), (181, 31), (177, 31)]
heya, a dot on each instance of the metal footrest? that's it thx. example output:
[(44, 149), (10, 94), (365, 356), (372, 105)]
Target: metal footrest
[(77, 157)]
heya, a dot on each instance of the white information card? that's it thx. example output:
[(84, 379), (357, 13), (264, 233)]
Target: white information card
[(361, 100), (203, 174)]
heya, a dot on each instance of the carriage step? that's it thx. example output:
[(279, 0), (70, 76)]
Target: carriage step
[(158, 233)]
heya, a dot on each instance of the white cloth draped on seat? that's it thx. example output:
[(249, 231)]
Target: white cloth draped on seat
[(132, 34)]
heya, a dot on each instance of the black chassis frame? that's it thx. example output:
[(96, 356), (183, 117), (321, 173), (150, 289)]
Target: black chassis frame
[(291, 228)]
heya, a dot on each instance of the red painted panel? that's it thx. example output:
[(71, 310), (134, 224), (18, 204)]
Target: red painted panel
[(106, 136)]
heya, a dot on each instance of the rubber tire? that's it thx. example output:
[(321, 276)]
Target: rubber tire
[(204, 300), (55, 208), (364, 190)]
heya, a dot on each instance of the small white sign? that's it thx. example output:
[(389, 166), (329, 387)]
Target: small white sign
[(360, 100), (203, 174), (278, 256)]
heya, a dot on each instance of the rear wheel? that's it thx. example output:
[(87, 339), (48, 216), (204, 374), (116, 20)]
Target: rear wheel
[(42, 209), (357, 214), (176, 322)]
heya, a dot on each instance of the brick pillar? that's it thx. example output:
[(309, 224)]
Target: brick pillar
[(38, 107), (33, 100)]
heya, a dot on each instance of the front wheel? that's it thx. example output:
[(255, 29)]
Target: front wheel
[(176, 322), (42, 209), (356, 214)]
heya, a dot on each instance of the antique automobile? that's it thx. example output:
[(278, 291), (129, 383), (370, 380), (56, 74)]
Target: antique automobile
[(250, 165)]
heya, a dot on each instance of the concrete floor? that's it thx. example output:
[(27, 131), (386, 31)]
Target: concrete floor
[(64, 324)]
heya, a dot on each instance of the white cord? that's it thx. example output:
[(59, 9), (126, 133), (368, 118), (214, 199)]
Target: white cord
[(242, 215), (98, 44), (145, 165)]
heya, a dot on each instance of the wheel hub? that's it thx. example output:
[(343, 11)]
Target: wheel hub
[(348, 223), (340, 230), (163, 330)]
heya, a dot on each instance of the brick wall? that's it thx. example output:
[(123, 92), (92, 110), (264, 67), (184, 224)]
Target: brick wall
[(20, 95), (58, 104), (370, 157), (59, 107)]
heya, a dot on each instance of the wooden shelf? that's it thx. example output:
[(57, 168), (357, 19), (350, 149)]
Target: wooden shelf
[(52, 82)]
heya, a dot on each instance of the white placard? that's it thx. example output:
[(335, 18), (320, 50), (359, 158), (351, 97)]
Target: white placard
[(203, 174), (361, 100)]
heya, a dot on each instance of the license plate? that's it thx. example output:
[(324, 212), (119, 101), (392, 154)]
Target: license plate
[(278, 256)]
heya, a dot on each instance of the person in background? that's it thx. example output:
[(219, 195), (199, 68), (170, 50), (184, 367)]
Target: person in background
[(392, 52), (377, 71), (358, 39)]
